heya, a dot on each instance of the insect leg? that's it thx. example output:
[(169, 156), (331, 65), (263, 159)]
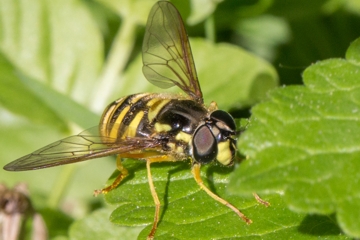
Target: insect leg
[(156, 201), (123, 173), (160, 158), (196, 173)]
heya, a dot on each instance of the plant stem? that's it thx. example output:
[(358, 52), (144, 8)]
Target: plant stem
[(61, 185), (117, 58), (210, 29)]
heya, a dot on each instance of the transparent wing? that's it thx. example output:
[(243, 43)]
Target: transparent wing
[(167, 57), (84, 146)]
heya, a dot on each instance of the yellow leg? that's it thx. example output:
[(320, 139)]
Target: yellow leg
[(150, 157), (123, 173), (196, 173), (156, 201), (161, 158)]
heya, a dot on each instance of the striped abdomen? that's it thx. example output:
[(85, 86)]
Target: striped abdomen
[(152, 115)]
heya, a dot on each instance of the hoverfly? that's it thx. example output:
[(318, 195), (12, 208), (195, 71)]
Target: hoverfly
[(150, 126)]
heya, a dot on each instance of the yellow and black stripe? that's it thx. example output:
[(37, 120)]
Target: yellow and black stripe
[(146, 114)]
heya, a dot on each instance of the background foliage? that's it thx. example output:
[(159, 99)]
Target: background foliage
[(62, 62)]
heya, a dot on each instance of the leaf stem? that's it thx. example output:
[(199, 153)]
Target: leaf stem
[(210, 29), (117, 58), (61, 185)]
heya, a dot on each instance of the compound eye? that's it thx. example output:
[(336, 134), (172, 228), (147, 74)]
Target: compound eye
[(204, 145), (224, 117)]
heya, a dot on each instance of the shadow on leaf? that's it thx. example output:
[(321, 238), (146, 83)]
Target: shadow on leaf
[(319, 225)]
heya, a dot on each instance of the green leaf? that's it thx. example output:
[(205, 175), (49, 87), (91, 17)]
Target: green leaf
[(221, 68), (97, 226), (136, 10), (22, 101), (187, 211), (352, 6), (304, 143), (62, 104), (51, 63), (230, 75), (263, 34), (54, 42), (39, 102), (56, 221), (201, 9)]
